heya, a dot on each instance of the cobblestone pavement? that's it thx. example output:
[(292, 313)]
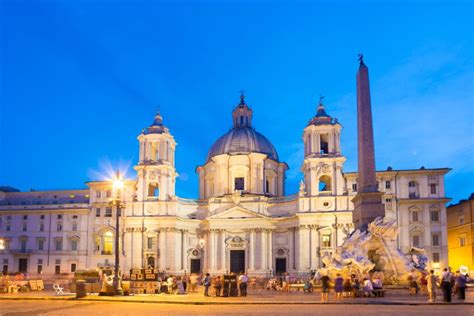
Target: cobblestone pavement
[(32, 308), (394, 296)]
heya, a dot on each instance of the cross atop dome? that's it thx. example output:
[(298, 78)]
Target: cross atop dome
[(242, 114), (157, 126), (321, 117)]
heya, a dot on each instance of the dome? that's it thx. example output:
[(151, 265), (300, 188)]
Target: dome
[(241, 140)]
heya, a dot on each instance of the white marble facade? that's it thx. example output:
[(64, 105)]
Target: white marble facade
[(242, 221)]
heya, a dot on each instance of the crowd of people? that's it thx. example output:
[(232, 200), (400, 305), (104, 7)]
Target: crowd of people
[(452, 284)]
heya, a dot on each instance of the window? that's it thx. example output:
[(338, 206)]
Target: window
[(60, 216), (40, 244), (97, 212), (59, 226), (57, 268), (58, 243), (414, 216), (462, 241), (23, 245), (324, 183), (98, 194), (74, 226), (24, 227), (8, 227), (326, 241), (150, 242), (433, 188), (41, 216), (435, 239), (40, 266), (239, 184), (434, 215), (108, 212), (412, 184), (153, 190), (74, 217), (415, 241), (74, 245), (461, 219), (25, 217), (387, 185), (354, 187), (73, 267), (107, 243), (388, 204), (41, 227), (324, 144), (435, 257), (267, 186), (108, 193)]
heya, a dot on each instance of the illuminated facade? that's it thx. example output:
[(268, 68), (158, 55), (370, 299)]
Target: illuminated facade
[(243, 221), (461, 234)]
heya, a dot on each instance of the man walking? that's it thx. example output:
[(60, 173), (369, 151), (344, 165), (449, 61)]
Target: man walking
[(446, 279), (431, 279), (207, 284), (243, 279)]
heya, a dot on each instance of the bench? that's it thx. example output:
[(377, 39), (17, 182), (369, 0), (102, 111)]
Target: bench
[(296, 286)]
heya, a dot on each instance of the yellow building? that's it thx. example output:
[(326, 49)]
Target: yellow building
[(461, 234)]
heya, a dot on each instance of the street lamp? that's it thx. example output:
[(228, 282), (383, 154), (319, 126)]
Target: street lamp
[(117, 185)]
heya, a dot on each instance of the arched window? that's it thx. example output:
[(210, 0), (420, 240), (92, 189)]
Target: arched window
[(324, 144), (325, 184), (107, 243), (153, 190)]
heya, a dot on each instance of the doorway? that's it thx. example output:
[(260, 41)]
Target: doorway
[(237, 261), (280, 265), (23, 265), (196, 266)]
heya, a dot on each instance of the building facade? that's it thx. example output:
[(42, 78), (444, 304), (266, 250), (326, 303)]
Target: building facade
[(242, 221), (461, 234)]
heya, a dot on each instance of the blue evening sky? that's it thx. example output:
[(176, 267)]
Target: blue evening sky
[(79, 80)]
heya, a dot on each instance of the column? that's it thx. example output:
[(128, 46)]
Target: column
[(162, 245), (252, 250), (263, 249), (314, 248), (212, 250), (270, 250), (223, 251), (291, 256)]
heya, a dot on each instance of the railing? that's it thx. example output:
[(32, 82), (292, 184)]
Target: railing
[(21, 251), (44, 206), (288, 198)]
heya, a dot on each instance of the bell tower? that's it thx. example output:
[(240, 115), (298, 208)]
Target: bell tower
[(323, 162), (155, 169)]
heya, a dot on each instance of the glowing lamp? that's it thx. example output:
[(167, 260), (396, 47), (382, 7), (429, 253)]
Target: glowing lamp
[(202, 243)]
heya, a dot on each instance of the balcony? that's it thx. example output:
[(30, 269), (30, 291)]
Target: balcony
[(21, 251), (108, 253), (413, 195)]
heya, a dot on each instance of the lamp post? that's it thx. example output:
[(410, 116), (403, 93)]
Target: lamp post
[(117, 201)]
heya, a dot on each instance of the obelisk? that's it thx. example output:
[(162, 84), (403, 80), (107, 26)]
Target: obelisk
[(368, 201)]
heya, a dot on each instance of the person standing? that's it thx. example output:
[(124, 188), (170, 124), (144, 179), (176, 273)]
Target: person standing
[(218, 286), (207, 283), (193, 282), (325, 288), (338, 286), (431, 286), (446, 279), (243, 280), (460, 285)]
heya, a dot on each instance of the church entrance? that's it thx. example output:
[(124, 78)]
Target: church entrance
[(196, 266), (280, 265), (237, 261)]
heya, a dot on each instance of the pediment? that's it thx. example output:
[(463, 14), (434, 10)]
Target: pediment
[(236, 212)]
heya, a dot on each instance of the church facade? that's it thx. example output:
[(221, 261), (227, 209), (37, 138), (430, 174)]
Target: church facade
[(242, 221)]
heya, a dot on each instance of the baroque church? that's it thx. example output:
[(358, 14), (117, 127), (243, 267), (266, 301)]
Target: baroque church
[(242, 221)]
